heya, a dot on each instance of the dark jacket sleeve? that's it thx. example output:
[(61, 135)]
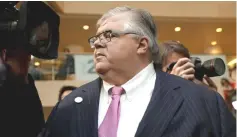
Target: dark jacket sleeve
[(38, 112), (227, 120), (46, 131)]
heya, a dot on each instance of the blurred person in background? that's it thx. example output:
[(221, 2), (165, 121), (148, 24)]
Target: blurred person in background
[(67, 69), (232, 73), (174, 51), (64, 91), (227, 85), (229, 90), (21, 109), (35, 72)]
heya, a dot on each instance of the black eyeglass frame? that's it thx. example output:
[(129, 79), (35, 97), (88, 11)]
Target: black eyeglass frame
[(107, 36)]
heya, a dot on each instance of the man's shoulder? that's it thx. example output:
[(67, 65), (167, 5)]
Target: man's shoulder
[(190, 90), (201, 106), (88, 86), (197, 99)]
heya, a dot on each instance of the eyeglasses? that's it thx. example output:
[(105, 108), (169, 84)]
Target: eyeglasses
[(106, 37)]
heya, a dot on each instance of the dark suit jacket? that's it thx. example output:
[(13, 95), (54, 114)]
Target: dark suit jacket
[(21, 111), (178, 108)]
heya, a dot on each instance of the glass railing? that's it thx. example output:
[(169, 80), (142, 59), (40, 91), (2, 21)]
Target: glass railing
[(76, 67), (64, 68)]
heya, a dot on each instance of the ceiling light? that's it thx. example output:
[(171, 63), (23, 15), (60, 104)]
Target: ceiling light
[(177, 29), (213, 43), (37, 63), (85, 27), (213, 50), (219, 30), (232, 62)]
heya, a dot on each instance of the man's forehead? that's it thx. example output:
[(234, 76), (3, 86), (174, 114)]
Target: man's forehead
[(114, 22), (174, 57)]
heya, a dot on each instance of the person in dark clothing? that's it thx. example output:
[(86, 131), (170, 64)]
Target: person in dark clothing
[(67, 68), (21, 109), (35, 73)]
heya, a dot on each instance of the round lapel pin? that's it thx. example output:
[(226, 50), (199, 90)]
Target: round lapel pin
[(78, 99)]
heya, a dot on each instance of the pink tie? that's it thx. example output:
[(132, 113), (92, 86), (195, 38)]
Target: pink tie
[(109, 126)]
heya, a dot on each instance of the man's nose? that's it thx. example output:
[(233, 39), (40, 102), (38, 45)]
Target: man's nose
[(98, 44)]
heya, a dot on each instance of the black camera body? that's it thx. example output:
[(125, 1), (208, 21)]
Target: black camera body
[(34, 27), (211, 68)]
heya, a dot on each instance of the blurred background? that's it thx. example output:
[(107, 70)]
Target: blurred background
[(207, 29)]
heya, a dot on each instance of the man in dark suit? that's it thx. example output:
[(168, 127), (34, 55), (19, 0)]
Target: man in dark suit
[(130, 98)]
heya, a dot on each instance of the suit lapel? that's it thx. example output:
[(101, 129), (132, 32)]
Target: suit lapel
[(87, 111), (164, 103)]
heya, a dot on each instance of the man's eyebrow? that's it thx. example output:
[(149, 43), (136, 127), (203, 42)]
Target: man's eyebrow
[(103, 31), (97, 33)]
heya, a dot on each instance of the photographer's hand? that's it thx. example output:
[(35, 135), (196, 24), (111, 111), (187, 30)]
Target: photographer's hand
[(184, 68), (209, 83)]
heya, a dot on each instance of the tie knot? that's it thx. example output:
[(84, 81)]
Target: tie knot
[(117, 91)]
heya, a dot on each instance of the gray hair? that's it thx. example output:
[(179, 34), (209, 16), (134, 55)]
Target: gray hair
[(141, 22)]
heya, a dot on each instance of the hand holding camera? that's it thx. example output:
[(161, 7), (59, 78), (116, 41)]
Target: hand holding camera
[(191, 69), (184, 68), (207, 82)]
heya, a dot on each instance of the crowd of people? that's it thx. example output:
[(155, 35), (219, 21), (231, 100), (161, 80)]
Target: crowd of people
[(138, 92)]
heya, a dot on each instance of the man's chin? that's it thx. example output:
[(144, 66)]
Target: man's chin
[(101, 68)]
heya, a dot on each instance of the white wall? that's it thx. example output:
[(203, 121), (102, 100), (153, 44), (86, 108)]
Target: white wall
[(48, 90)]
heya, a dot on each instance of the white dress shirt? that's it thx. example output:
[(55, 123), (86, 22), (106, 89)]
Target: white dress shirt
[(133, 103)]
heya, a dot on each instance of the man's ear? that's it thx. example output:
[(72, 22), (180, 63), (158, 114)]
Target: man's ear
[(143, 45)]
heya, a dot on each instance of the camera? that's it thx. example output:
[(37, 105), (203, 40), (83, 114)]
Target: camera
[(33, 27), (211, 68)]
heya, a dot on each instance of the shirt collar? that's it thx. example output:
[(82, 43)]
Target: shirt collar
[(138, 80)]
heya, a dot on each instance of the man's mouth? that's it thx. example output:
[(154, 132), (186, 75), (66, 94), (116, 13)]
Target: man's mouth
[(99, 55)]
